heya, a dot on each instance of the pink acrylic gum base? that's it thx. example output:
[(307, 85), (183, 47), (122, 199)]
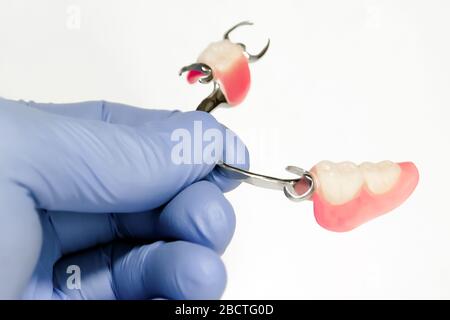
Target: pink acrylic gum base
[(366, 205)]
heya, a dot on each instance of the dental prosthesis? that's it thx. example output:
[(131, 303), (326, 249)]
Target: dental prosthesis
[(345, 195)]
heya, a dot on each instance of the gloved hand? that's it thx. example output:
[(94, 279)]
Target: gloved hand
[(92, 187)]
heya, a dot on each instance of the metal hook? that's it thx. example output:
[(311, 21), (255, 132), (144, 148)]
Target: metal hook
[(216, 97), (255, 57), (251, 57), (226, 36), (202, 68), (263, 181)]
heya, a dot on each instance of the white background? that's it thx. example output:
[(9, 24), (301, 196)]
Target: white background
[(343, 80)]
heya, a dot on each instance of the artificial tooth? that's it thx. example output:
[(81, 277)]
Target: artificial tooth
[(339, 182), (380, 177)]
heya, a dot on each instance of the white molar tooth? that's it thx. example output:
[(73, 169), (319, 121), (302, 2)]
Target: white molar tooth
[(339, 182), (221, 55), (380, 177)]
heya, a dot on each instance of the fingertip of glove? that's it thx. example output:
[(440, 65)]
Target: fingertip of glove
[(193, 272), (202, 274)]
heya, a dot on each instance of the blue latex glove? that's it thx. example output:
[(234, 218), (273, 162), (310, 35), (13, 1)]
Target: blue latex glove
[(93, 185)]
